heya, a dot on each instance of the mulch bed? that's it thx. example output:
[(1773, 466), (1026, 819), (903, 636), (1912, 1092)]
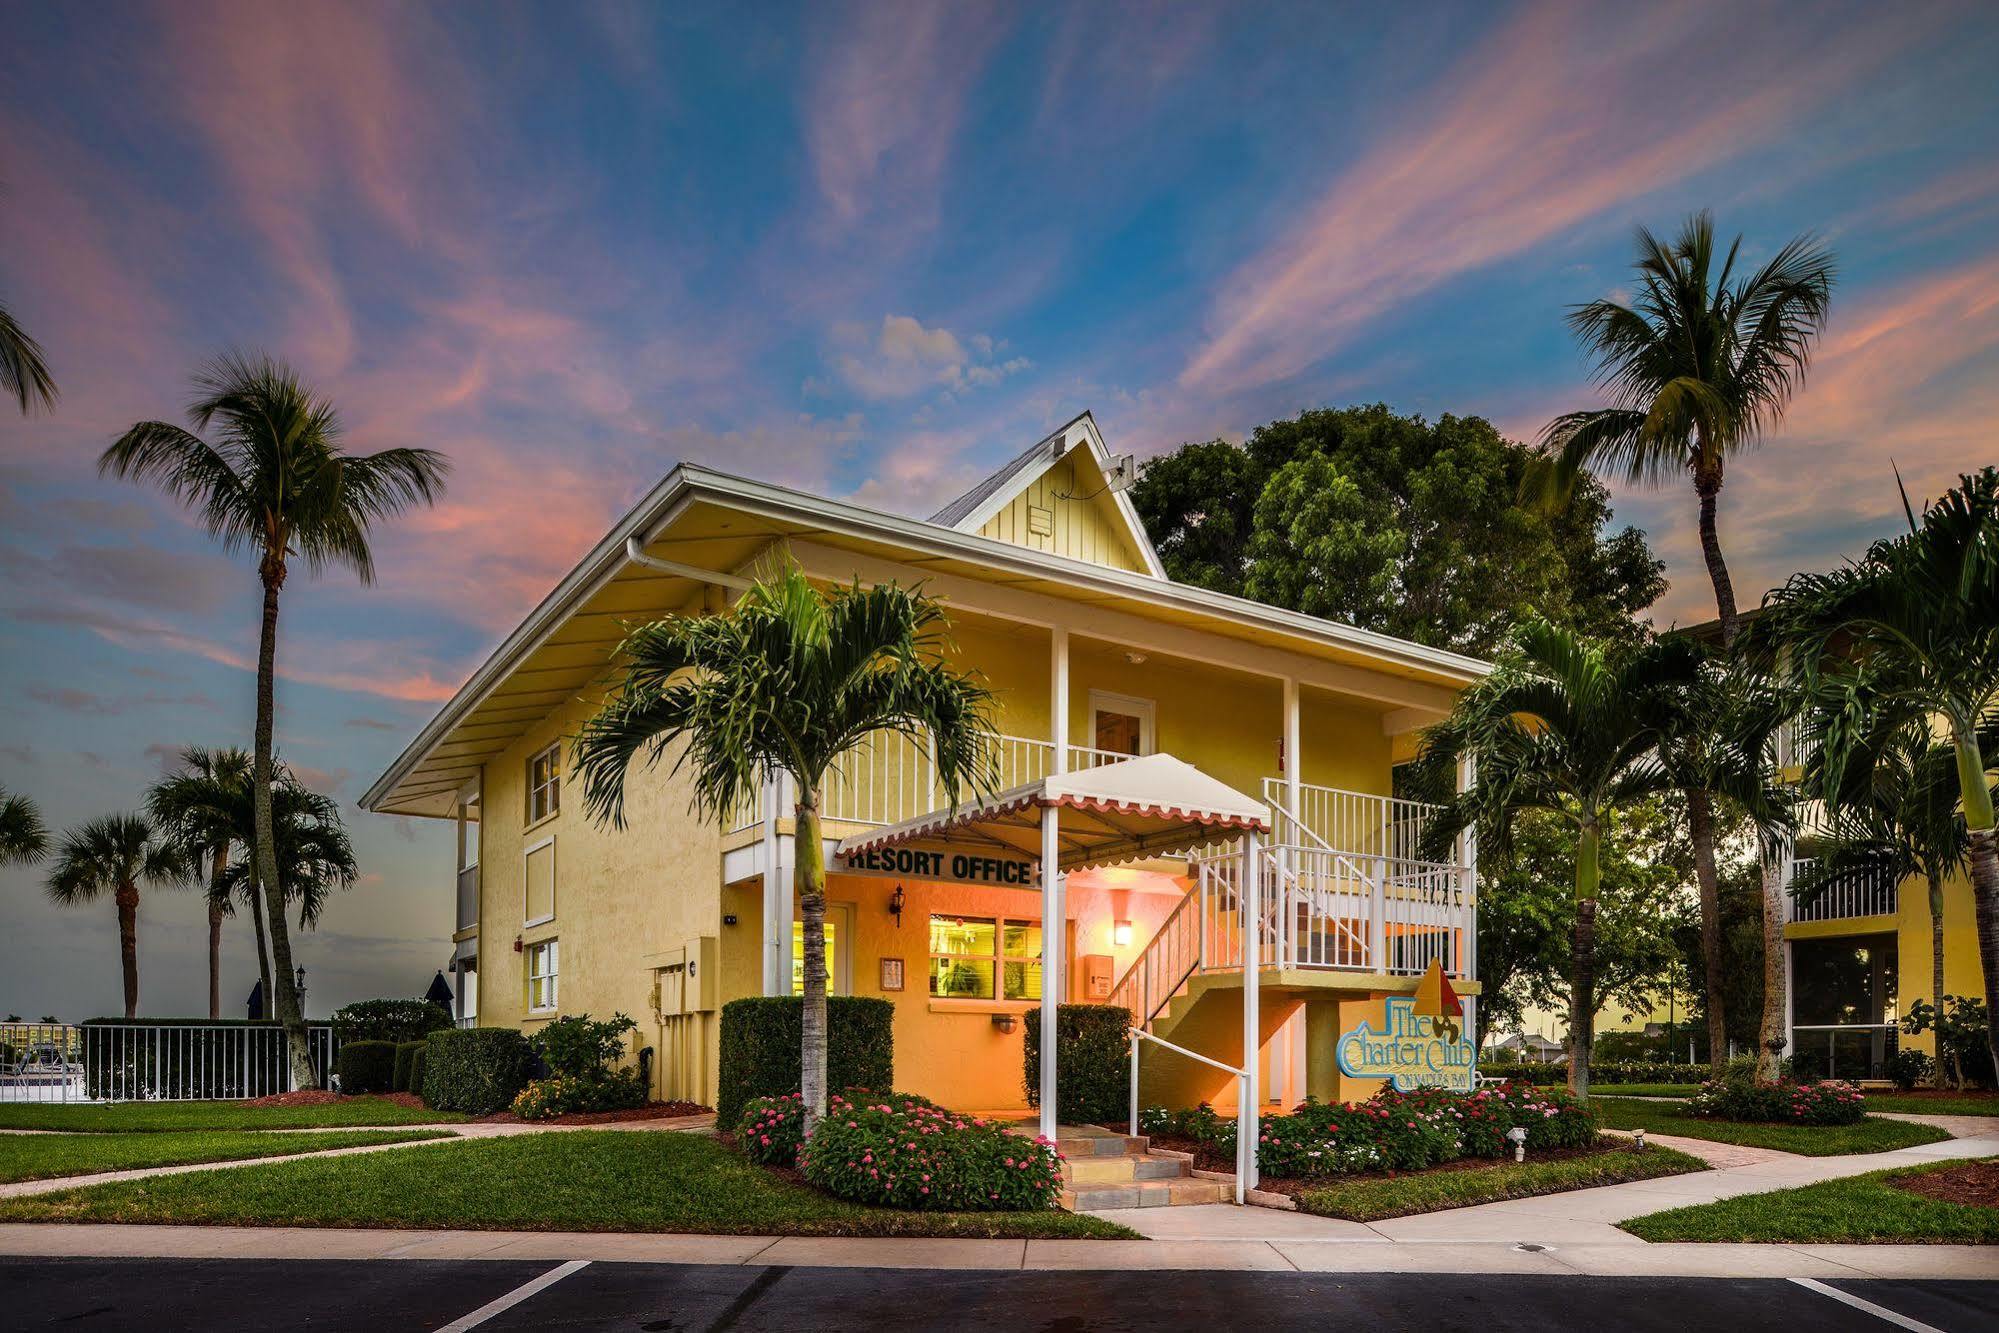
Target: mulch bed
[(1944, 1095), (650, 1111), (1975, 1184), (321, 1097)]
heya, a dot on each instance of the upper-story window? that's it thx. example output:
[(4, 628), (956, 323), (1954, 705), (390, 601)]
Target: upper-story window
[(545, 784), (468, 833), (1121, 724)]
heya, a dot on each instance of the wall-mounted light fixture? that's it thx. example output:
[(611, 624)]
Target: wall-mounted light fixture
[(895, 905), (1121, 933), (1004, 1022)]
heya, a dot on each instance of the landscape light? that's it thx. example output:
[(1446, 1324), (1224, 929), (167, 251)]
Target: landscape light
[(1517, 1136)]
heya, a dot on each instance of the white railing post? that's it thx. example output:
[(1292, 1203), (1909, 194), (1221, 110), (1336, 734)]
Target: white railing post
[(1377, 931), (1252, 1016), (1134, 1084)]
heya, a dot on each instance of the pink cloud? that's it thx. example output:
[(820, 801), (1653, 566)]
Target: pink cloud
[(1530, 135)]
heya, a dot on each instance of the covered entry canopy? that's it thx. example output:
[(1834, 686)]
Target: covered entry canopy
[(1137, 808)]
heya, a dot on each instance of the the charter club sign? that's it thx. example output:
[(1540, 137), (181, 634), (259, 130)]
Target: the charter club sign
[(946, 865), (1410, 1051)]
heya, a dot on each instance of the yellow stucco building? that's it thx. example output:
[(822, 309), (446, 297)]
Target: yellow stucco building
[(1057, 597)]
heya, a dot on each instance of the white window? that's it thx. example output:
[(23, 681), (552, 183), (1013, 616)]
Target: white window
[(541, 965), (1120, 724), (468, 991), (545, 784), (468, 833), (839, 951), (983, 958), (538, 883)]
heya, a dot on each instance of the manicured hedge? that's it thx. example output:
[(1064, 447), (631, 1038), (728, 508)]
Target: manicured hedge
[(418, 1058), (1602, 1071), (476, 1070), (367, 1066), (1092, 1062), (389, 1020), (761, 1037), (405, 1064)]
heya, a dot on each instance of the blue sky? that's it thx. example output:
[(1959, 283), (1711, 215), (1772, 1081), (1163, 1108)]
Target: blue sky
[(870, 251)]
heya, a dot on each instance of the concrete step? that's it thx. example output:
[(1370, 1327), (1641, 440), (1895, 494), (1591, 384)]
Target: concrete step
[(1076, 1143), (1146, 1194)]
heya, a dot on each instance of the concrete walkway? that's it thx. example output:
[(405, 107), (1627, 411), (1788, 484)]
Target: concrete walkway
[(1279, 1254), (460, 1132)]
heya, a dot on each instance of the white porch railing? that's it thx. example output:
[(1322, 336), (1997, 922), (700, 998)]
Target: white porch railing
[(894, 777), (1861, 893)]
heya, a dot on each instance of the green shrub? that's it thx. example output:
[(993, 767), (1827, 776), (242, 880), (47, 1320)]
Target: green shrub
[(418, 1058), (760, 1048), (905, 1152), (1600, 1071), (1408, 1131), (475, 1070), (1736, 1095), (367, 1066), (772, 1128), (1912, 1069), (405, 1059), (1092, 1062), (580, 1046), (618, 1090), (389, 1020)]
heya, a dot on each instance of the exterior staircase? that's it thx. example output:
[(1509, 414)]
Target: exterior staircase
[(1103, 1169)]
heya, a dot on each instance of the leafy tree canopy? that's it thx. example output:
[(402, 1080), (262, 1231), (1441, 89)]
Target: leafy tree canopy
[(1397, 524)]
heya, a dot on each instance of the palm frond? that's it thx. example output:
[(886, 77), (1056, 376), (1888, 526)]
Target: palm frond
[(24, 373)]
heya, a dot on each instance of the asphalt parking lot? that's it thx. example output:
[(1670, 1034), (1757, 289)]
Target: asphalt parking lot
[(387, 1296)]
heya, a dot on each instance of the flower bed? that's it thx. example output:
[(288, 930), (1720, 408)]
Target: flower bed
[(1825, 1102), (1412, 1131), (903, 1151)]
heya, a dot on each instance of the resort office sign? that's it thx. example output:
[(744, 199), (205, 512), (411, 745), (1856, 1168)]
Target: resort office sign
[(1412, 1050), (945, 865)]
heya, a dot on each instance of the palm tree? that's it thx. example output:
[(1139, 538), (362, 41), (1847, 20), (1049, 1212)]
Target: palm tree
[(1919, 614), (1896, 817), (1571, 728), (276, 482), (24, 839), (204, 807), (114, 855), (315, 857), (1696, 368), (788, 682)]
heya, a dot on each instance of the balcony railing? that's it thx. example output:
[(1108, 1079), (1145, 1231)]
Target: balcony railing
[(893, 777), (1856, 894), (468, 897)]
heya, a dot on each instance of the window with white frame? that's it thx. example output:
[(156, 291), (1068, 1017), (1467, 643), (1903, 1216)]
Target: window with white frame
[(542, 965), (1121, 724), (468, 833), (545, 784), (984, 958)]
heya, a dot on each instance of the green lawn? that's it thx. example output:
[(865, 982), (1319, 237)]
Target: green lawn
[(45, 1156), (1643, 1089), (154, 1117), (1969, 1103), (576, 1181), (1857, 1210), (1375, 1199), (1870, 1135)]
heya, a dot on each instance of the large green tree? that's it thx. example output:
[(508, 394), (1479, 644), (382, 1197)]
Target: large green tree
[(111, 858), (1919, 615), (1396, 524), (1697, 366), (786, 683), (276, 482), (1568, 728)]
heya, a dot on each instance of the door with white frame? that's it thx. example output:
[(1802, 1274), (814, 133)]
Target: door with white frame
[(1122, 724)]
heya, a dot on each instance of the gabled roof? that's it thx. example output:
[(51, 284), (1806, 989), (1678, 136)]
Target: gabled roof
[(971, 511)]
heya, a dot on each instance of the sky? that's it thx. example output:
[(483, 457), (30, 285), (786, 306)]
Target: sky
[(870, 251)]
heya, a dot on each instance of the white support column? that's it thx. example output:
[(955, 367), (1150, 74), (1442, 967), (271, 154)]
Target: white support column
[(1294, 768), (1054, 971), (776, 970), (1058, 699), (1252, 1015)]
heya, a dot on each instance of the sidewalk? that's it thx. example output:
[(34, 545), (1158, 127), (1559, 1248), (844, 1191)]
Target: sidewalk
[(1287, 1254)]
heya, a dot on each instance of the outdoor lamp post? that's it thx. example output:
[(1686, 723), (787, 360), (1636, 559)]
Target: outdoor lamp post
[(1517, 1136), (300, 980)]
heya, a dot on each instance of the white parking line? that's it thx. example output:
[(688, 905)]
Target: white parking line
[(1878, 1311), (521, 1293)]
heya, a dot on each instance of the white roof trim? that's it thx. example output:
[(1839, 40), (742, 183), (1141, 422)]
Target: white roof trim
[(689, 482)]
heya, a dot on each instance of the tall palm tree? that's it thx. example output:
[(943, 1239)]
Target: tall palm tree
[(24, 839), (1896, 817), (1571, 728), (204, 807), (787, 682), (275, 482), (315, 857), (113, 856), (1696, 368), (1920, 614)]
